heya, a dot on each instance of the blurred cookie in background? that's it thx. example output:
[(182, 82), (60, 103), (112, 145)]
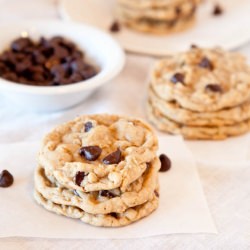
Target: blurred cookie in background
[(157, 16)]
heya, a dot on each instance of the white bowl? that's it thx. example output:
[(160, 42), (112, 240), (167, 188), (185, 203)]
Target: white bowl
[(98, 46)]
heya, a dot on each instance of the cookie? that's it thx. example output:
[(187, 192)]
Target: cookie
[(158, 27), (98, 152), (190, 132), (109, 220), (102, 202), (158, 17), (174, 12), (176, 113), (143, 4), (101, 169), (203, 80)]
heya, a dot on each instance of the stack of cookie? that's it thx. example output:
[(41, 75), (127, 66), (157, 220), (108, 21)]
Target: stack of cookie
[(157, 16), (201, 94), (100, 169)]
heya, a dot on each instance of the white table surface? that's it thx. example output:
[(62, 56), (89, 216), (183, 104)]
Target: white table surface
[(226, 186)]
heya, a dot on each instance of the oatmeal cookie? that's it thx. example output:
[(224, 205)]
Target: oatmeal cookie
[(103, 220), (176, 113), (98, 152), (104, 201), (154, 4), (203, 80), (190, 132), (158, 17)]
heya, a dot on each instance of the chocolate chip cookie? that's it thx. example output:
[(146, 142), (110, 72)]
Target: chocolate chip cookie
[(98, 166), (201, 94), (103, 201), (157, 16)]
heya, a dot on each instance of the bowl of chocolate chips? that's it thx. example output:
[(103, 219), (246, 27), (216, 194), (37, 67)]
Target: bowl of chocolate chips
[(53, 65)]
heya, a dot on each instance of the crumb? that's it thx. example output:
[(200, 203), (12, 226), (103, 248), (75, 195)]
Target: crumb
[(115, 27), (217, 10)]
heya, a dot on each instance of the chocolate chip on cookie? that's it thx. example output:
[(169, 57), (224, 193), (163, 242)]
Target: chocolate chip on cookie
[(113, 158), (6, 179), (115, 215), (88, 126), (106, 193), (157, 193), (178, 10), (178, 77), (90, 153), (79, 177), (165, 163), (206, 63), (214, 88)]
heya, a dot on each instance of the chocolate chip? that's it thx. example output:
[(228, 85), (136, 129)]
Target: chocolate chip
[(6, 179), (60, 52), (217, 11), (54, 83), (36, 69), (214, 88), (115, 27), (56, 40), (47, 52), (156, 193), (178, 77), (88, 126), (59, 62), (23, 65), (206, 63), (2, 68), (71, 47), (77, 65), (115, 215), (43, 42), (77, 54), (75, 77), (88, 72), (79, 178), (194, 46), (58, 71), (38, 57), (90, 153), (106, 193), (20, 44), (38, 77), (178, 10), (113, 158), (165, 163), (64, 81), (10, 76)]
